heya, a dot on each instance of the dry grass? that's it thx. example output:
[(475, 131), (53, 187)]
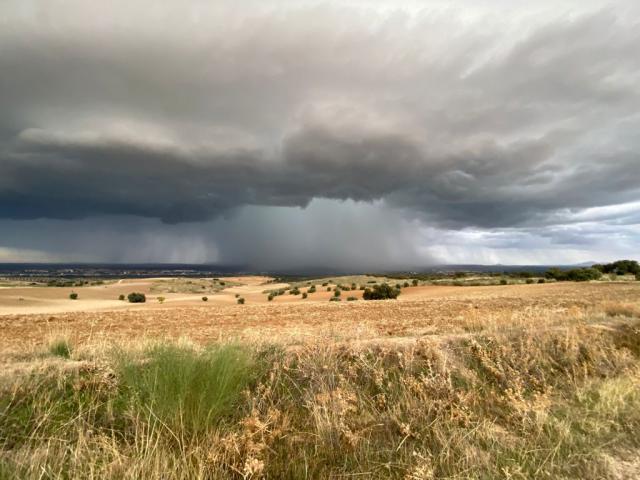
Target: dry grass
[(562, 403), (486, 385)]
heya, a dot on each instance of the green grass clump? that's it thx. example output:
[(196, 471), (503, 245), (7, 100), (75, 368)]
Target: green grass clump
[(187, 390), (60, 348)]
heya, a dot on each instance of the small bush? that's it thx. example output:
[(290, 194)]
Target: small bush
[(73, 296), (270, 297), (121, 297), (161, 299), (406, 284), (503, 281), (335, 299), (237, 295), (295, 291), (337, 292), (60, 348), (542, 280), (324, 284), (414, 282), (136, 297), (205, 299), (380, 292), (353, 286), (529, 281), (312, 289), (351, 299), (241, 301), (328, 289), (304, 295)]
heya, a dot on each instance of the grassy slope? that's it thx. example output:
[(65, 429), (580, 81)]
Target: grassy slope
[(564, 403)]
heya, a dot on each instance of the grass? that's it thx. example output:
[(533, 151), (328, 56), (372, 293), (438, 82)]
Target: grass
[(561, 402), (60, 347), (187, 390)]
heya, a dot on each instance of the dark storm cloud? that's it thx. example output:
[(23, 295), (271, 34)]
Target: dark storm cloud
[(463, 123)]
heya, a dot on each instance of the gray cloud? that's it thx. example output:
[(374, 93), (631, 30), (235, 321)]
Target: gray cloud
[(461, 118)]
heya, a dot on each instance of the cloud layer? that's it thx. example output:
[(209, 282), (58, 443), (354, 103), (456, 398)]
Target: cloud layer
[(460, 118)]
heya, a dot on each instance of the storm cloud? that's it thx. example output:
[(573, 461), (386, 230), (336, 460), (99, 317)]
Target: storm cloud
[(476, 117)]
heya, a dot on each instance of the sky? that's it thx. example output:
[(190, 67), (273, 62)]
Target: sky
[(342, 134)]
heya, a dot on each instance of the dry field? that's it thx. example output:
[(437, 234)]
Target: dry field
[(516, 381)]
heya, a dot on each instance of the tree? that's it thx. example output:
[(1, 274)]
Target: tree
[(380, 292), (136, 297)]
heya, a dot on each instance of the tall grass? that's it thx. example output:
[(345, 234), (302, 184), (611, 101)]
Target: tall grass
[(187, 390), (562, 403), (60, 347)]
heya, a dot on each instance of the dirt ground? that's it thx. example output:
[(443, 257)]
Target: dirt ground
[(31, 316)]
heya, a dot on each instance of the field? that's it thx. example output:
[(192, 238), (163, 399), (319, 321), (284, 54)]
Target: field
[(499, 381)]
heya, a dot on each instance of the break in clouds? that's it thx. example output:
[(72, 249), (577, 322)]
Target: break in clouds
[(344, 134)]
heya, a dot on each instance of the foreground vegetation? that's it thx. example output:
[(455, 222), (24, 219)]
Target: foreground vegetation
[(559, 403)]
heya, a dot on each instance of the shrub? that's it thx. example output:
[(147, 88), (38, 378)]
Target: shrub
[(529, 280), (406, 284), (205, 299), (335, 299), (351, 299), (503, 281), (620, 267), (270, 297), (121, 297), (398, 286), (337, 292), (237, 295), (324, 284), (353, 286), (161, 299), (380, 292), (136, 297), (542, 280), (328, 289), (241, 301), (573, 275), (295, 291), (185, 389), (414, 282), (60, 348), (304, 295), (312, 289), (73, 296)]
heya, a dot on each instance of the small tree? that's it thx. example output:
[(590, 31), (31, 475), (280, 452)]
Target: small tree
[(406, 284), (380, 292), (121, 297), (136, 297), (337, 292)]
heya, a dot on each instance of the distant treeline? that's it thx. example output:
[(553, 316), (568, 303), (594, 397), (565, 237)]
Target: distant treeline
[(581, 274)]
